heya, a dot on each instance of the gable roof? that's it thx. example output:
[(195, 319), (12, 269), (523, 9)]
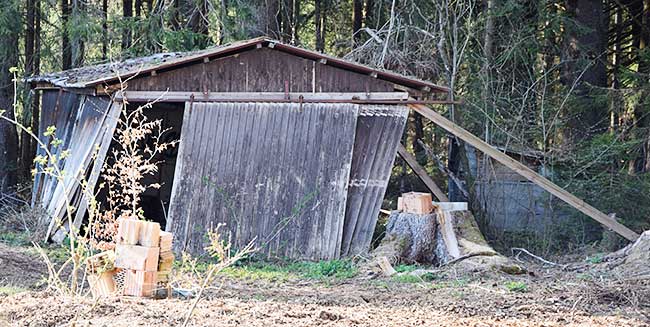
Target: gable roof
[(108, 73)]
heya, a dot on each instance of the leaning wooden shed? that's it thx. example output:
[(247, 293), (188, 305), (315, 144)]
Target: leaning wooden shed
[(286, 146)]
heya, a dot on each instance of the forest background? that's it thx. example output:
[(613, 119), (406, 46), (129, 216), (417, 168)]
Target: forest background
[(568, 80)]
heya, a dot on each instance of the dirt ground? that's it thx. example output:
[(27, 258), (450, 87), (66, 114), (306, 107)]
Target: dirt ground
[(578, 296)]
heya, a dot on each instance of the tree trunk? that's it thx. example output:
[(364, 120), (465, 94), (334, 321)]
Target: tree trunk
[(370, 19), (272, 23), (418, 150), (440, 238), (297, 21), (66, 51), (318, 27), (357, 20), (287, 20), (641, 109), (198, 23), (77, 42), (37, 70), (25, 139), (584, 57), (104, 29), (9, 31), (127, 14)]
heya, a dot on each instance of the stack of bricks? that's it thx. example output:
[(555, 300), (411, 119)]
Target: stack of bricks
[(137, 252), (415, 202), (166, 258), (101, 272)]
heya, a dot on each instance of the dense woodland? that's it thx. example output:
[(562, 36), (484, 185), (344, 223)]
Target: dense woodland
[(568, 80)]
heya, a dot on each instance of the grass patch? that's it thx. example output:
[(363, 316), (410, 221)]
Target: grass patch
[(15, 238), (323, 270), (405, 268), (519, 287), (596, 258), (11, 290), (410, 279)]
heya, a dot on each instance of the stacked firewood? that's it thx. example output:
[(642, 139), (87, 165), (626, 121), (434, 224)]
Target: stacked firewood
[(139, 265)]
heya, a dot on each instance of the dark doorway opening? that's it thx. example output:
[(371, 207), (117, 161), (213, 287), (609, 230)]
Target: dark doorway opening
[(155, 201)]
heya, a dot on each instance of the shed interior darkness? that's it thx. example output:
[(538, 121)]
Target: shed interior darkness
[(155, 202)]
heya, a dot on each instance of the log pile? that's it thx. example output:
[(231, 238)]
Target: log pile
[(139, 265)]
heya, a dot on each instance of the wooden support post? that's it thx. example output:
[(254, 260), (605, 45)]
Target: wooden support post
[(524, 171), (422, 174)]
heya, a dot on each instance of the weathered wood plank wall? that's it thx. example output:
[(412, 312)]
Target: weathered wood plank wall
[(378, 133), (59, 109), (261, 70), (276, 173), (79, 122)]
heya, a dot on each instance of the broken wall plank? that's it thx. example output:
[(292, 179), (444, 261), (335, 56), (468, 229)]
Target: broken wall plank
[(422, 174), (526, 172), (378, 131)]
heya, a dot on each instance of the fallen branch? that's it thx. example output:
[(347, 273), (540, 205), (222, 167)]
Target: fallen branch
[(522, 250), (469, 255)]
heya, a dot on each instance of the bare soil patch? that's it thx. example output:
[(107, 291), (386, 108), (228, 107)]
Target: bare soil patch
[(549, 297)]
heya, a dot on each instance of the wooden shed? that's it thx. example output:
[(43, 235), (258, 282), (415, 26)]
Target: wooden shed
[(284, 145)]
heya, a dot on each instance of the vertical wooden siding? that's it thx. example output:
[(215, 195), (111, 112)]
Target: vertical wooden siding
[(261, 70), (79, 122), (276, 173), (378, 133), (58, 109)]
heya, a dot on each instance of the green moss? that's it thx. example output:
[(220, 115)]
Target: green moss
[(519, 287)]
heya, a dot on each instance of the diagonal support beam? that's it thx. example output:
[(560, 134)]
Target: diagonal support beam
[(524, 171), (422, 174)]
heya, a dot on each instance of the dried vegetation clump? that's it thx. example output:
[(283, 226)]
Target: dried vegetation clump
[(136, 154)]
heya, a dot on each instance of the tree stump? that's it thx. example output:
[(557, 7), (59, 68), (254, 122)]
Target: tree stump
[(439, 238)]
